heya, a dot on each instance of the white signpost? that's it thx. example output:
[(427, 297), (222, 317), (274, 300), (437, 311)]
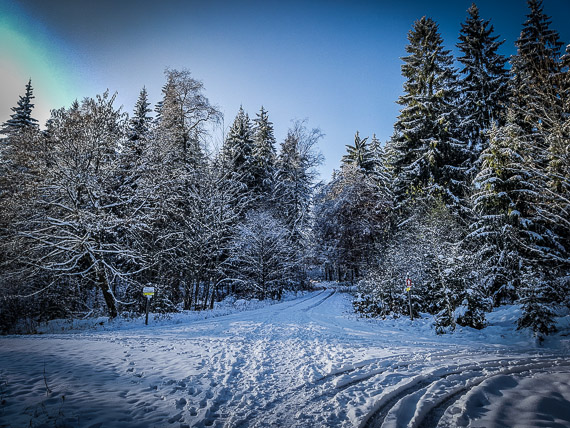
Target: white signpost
[(148, 292)]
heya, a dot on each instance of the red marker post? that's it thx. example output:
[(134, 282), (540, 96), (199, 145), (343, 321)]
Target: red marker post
[(408, 288)]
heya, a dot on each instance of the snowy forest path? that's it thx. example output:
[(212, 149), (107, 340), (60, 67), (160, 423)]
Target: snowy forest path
[(308, 362)]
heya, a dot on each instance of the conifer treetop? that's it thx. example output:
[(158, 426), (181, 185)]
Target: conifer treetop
[(22, 117)]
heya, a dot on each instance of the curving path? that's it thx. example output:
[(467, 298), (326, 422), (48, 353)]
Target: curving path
[(301, 363)]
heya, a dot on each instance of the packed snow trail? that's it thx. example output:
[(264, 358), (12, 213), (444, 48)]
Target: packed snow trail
[(301, 363)]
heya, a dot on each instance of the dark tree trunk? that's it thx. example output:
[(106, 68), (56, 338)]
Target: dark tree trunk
[(187, 296), (206, 294), (107, 295), (214, 295)]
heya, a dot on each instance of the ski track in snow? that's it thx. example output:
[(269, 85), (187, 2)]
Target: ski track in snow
[(300, 363)]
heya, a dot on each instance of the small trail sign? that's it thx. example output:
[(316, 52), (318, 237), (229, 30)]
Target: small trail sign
[(408, 284), (148, 292)]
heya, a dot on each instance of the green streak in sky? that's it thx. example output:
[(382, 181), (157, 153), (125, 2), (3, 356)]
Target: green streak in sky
[(28, 51)]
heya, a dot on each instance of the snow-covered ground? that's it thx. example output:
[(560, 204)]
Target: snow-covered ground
[(302, 363)]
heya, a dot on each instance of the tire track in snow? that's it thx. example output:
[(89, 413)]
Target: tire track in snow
[(376, 419), (433, 414), (397, 363), (307, 309), (330, 388)]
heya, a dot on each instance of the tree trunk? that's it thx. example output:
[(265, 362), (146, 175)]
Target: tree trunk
[(187, 296), (107, 295), (214, 294), (196, 285), (206, 293)]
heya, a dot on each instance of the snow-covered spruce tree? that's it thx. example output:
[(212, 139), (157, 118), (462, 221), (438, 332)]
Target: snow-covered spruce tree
[(264, 158), (140, 123), (22, 150), (559, 135), (538, 106), (553, 204), (484, 83), (535, 75), (359, 154), (134, 152), (296, 176), (453, 295), (513, 236), (22, 116), (261, 260), (176, 166), (426, 156), (538, 297), (382, 176), (21, 153), (557, 196), (555, 128), (500, 202), (237, 153), (79, 232), (22, 160), (134, 156), (380, 164)]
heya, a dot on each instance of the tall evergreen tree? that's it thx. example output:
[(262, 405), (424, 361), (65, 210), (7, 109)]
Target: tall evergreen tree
[(22, 159), (484, 82), (501, 207), (264, 155), (535, 70), (296, 176), (22, 147), (22, 118), (139, 133), (140, 123), (359, 154), (516, 244), (555, 197), (538, 108), (381, 167), (425, 155), (238, 150)]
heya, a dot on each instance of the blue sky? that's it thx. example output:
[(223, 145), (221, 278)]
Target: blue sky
[(336, 63)]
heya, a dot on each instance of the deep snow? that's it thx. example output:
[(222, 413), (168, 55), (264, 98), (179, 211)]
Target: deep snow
[(306, 362)]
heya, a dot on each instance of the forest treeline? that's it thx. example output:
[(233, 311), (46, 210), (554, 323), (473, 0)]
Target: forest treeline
[(101, 204), (469, 198)]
